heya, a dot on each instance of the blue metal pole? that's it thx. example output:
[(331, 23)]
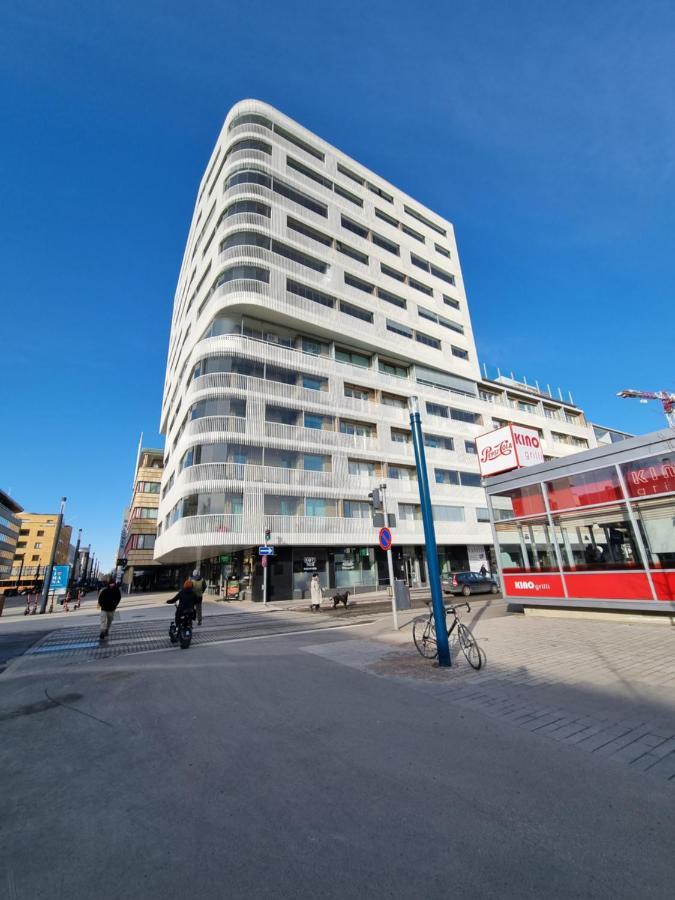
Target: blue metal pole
[(429, 535)]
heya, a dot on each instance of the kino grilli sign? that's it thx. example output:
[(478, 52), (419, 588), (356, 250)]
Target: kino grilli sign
[(509, 447)]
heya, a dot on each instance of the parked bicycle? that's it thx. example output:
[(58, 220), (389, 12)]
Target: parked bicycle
[(424, 635)]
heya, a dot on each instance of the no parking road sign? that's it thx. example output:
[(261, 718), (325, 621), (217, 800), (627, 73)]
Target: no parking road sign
[(385, 538)]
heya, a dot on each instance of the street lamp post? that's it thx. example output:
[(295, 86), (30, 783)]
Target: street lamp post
[(429, 534), (52, 557)]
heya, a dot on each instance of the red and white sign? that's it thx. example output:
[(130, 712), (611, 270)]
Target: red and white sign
[(530, 585), (509, 447)]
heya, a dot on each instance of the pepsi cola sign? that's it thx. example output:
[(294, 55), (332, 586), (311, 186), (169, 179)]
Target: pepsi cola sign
[(508, 447)]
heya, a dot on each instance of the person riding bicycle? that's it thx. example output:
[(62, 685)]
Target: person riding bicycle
[(186, 601)]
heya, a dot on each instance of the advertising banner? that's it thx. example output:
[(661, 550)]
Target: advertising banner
[(508, 447)]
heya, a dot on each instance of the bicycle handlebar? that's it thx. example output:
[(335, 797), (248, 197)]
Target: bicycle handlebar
[(451, 606)]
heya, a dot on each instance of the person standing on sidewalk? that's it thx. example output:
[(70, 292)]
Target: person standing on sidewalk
[(108, 600), (315, 592), (198, 586)]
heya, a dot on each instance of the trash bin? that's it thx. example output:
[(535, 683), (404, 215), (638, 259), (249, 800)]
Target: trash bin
[(401, 594)]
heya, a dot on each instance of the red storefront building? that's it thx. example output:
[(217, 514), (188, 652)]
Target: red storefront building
[(596, 529)]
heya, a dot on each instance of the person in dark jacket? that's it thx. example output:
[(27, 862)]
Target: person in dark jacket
[(108, 600), (186, 600)]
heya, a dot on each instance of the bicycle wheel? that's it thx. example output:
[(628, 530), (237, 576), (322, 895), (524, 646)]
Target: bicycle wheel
[(469, 646), (424, 635)]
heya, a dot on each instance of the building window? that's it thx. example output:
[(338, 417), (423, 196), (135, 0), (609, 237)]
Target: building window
[(397, 328), (358, 393), (318, 506), (250, 119), (298, 142), (446, 476), (301, 199), (37, 545), (461, 415), (356, 311), (361, 467), (276, 505), (423, 219), (438, 442), (450, 301), (409, 512), (351, 357), (428, 340), (386, 244), (309, 173), (351, 252), (309, 293), (243, 273), (401, 473), (418, 286), (448, 513), (310, 262), (482, 514), (470, 479), (391, 298), (357, 283), (311, 233), (390, 368), (343, 170), (246, 206), (392, 273), (362, 429), (35, 558), (401, 436), (470, 447), (356, 509), (153, 487), (144, 512), (249, 144), (342, 192), (459, 352), (318, 422), (314, 383), (355, 227), (39, 533), (436, 409)]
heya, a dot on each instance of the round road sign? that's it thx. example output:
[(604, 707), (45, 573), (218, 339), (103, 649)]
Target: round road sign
[(385, 538)]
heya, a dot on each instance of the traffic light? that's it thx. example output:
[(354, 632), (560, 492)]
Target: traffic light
[(268, 534), (375, 497)]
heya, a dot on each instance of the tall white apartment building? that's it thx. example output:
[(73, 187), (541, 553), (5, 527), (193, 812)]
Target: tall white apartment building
[(313, 300)]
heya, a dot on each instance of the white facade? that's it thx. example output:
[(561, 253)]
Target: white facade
[(314, 298)]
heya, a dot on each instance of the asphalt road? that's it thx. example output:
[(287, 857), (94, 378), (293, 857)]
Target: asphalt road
[(14, 642), (257, 769)]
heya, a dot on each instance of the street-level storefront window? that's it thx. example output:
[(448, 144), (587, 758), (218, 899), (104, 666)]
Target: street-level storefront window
[(597, 539), (656, 521), (526, 546), (308, 561), (355, 566)]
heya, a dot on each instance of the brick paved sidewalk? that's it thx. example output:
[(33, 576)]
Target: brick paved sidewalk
[(606, 688)]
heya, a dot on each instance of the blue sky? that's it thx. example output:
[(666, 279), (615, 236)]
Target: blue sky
[(545, 132)]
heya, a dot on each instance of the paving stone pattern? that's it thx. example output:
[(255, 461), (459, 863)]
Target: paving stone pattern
[(605, 688), (81, 644)]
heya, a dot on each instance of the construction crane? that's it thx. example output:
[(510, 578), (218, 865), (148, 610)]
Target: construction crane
[(667, 401)]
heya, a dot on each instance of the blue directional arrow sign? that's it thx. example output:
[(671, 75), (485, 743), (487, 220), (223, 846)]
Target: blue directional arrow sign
[(265, 551)]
